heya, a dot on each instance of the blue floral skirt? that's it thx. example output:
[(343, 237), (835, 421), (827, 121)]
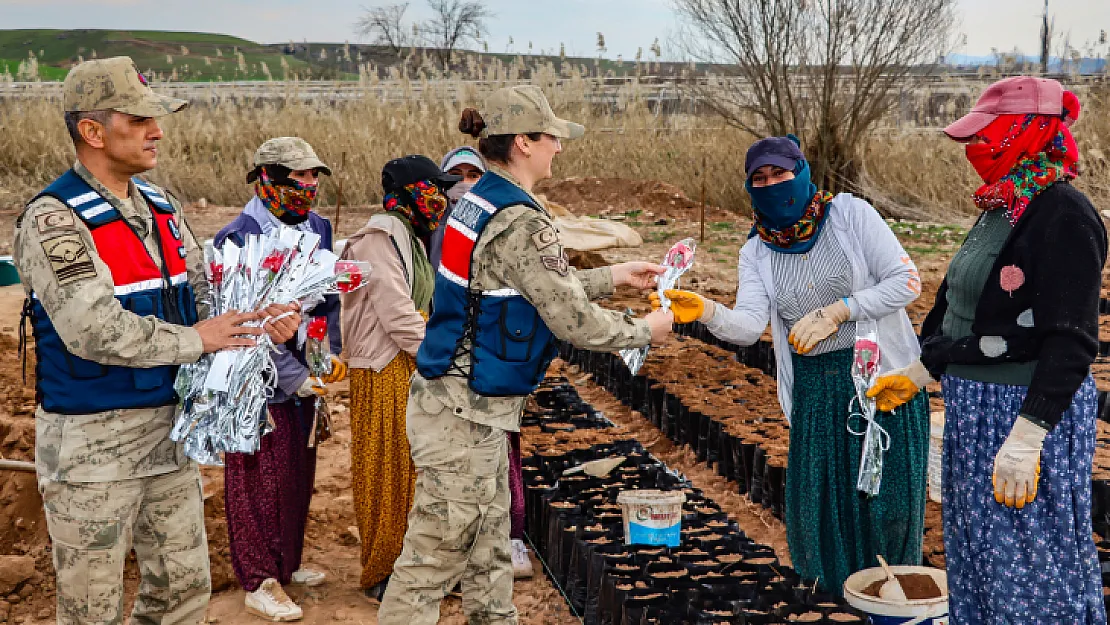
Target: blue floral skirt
[(1029, 566)]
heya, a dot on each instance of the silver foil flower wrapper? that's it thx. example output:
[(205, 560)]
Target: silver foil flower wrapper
[(862, 416), (223, 396), (677, 261)]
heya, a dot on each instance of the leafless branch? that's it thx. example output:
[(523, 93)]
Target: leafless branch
[(386, 24), (454, 24), (826, 70)]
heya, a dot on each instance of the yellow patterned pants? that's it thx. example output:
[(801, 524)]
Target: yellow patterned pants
[(382, 474)]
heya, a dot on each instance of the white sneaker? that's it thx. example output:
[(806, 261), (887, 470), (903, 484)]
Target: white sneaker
[(271, 603), (522, 564), (308, 577)]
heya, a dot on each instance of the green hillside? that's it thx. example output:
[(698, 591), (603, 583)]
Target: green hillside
[(180, 55), (188, 56)]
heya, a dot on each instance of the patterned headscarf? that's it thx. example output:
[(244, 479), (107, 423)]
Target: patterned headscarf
[(1022, 155), (289, 200), (421, 203)]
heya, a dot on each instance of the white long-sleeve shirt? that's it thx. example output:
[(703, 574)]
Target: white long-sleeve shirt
[(884, 282)]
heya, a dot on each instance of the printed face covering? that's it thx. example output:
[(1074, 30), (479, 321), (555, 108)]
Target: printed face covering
[(289, 201), (422, 203)]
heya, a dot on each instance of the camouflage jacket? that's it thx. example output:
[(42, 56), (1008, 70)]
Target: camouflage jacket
[(117, 444), (520, 249)]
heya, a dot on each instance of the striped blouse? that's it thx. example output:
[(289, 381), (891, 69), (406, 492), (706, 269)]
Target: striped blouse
[(806, 282)]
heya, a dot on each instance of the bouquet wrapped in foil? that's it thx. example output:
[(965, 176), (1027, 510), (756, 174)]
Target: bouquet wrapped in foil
[(679, 259), (862, 421), (223, 396)]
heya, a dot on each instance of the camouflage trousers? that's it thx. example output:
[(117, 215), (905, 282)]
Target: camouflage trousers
[(458, 528), (94, 525)]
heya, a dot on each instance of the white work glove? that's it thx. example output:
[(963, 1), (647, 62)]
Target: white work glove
[(818, 326), (1017, 467), (311, 387), (891, 390)]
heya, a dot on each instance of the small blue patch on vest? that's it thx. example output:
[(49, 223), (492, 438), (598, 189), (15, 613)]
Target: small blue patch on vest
[(173, 229)]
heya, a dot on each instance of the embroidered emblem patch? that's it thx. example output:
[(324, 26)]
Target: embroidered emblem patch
[(54, 220), (544, 238), (69, 259), (559, 264)]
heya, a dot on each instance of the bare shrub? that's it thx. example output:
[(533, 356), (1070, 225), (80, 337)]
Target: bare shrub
[(826, 70), (386, 25), (454, 24)]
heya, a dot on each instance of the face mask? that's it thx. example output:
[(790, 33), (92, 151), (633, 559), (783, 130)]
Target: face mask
[(781, 205), (422, 203), (984, 158), (456, 192), (289, 201)]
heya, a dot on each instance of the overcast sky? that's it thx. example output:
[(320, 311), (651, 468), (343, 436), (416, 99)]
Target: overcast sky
[(627, 24)]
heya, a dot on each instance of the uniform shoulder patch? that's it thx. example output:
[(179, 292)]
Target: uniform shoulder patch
[(544, 238), (559, 263), (69, 258), (55, 220)]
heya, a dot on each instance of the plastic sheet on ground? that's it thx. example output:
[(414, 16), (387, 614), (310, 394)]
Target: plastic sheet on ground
[(587, 234)]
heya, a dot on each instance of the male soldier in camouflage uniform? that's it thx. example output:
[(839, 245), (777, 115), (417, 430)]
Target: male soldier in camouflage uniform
[(501, 257), (110, 477)]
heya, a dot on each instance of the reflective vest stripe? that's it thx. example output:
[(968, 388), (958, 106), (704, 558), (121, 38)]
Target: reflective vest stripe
[(98, 209), (84, 198), (481, 202), (447, 273), (147, 285), (461, 227)]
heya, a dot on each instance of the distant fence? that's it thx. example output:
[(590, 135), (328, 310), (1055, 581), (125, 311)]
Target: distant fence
[(935, 100)]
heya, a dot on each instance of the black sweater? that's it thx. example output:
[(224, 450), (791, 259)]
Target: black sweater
[(1040, 303)]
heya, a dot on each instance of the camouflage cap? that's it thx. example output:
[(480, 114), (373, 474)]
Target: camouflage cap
[(292, 152), (114, 84), (523, 110)]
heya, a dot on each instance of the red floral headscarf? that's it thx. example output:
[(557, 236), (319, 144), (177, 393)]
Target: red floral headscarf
[(1021, 155)]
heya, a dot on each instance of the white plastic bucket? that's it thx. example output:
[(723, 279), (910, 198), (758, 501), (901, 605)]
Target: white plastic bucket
[(936, 453), (884, 612), (652, 517)]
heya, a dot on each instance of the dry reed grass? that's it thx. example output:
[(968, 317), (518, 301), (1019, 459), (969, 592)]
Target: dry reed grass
[(207, 150)]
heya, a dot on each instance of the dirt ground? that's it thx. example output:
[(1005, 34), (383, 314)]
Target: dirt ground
[(657, 210)]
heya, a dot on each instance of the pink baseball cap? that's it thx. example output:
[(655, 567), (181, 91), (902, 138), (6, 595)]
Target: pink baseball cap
[(1020, 95)]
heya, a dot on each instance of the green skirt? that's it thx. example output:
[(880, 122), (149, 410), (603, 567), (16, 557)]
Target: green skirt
[(833, 529)]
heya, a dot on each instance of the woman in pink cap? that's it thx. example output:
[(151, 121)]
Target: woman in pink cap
[(1011, 337)]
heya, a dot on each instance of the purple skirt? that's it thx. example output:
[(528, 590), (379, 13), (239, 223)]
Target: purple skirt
[(267, 497)]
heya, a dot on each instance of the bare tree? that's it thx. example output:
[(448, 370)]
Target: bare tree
[(825, 70), (454, 24), (386, 24)]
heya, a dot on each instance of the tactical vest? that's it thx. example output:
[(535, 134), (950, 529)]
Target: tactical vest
[(508, 343), (68, 384)]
